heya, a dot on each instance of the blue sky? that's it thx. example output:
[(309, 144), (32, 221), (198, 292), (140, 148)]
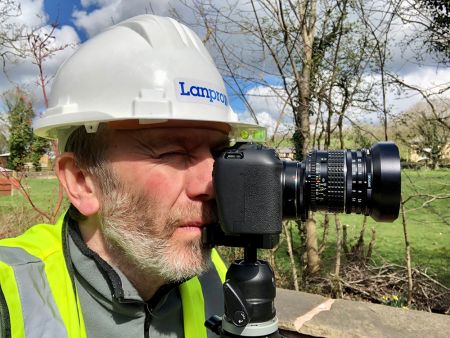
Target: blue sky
[(61, 11)]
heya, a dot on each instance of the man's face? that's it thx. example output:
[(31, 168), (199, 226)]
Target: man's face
[(159, 196)]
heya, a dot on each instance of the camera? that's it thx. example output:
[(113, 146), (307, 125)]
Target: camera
[(255, 190)]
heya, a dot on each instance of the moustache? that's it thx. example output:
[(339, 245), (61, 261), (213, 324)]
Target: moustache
[(205, 213)]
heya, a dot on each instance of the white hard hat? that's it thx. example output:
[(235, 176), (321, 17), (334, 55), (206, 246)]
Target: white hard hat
[(148, 68)]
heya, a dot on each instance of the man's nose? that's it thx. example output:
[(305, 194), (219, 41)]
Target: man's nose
[(199, 185)]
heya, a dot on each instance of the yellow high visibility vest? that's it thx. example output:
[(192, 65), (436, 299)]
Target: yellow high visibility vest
[(39, 295)]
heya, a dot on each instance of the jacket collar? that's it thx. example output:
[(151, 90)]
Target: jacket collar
[(108, 281)]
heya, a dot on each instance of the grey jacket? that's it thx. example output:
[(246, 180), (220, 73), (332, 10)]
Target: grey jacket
[(112, 307)]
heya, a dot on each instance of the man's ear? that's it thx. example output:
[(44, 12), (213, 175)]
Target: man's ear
[(79, 185)]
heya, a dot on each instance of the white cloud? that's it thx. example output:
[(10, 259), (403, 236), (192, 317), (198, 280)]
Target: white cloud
[(98, 19), (23, 72), (110, 12), (270, 99), (428, 79), (32, 13), (101, 3), (268, 103)]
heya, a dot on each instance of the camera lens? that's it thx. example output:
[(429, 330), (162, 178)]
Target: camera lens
[(365, 181), (325, 180)]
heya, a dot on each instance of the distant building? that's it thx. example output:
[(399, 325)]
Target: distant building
[(420, 156), (44, 161), (4, 159)]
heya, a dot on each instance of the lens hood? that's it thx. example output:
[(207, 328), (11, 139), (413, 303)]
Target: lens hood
[(386, 192)]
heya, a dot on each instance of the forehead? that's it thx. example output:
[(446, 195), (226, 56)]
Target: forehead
[(166, 136)]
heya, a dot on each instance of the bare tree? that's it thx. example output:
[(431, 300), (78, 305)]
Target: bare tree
[(286, 230), (39, 43), (429, 97), (12, 35), (424, 128), (431, 22), (278, 38), (341, 87), (379, 22), (41, 47)]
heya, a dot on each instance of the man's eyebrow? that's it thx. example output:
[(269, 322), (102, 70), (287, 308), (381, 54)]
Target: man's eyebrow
[(223, 143), (165, 140)]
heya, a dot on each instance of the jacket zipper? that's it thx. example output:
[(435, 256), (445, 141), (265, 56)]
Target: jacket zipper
[(148, 313), (4, 317)]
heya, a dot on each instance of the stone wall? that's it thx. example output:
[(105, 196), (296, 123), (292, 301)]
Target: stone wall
[(306, 315)]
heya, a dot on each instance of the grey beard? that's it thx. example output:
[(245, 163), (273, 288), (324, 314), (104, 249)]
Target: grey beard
[(127, 223)]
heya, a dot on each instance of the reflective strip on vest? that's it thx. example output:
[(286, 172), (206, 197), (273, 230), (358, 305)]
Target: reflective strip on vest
[(12, 299), (31, 288), (193, 309), (219, 264), (193, 302), (44, 270)]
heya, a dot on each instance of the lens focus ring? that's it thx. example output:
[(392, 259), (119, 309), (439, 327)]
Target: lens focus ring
[(336, 181)]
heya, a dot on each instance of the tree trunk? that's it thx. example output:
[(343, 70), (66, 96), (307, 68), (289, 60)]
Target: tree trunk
[(407, 253), (312, 251), (337, 267), (326, 227), (287, 233)]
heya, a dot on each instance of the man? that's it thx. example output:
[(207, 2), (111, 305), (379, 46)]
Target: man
[(139, 111)]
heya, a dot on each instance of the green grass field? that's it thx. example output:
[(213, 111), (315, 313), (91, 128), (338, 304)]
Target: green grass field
[(42, 191), (428, 226), (16, 213)]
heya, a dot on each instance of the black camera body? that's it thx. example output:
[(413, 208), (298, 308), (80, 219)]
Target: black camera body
[(249, 191), (255, 190)]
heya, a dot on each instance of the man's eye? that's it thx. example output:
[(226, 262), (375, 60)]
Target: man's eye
[(174, 154)]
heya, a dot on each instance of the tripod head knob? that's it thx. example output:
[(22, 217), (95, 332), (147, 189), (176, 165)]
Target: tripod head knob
[(235, 305)]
